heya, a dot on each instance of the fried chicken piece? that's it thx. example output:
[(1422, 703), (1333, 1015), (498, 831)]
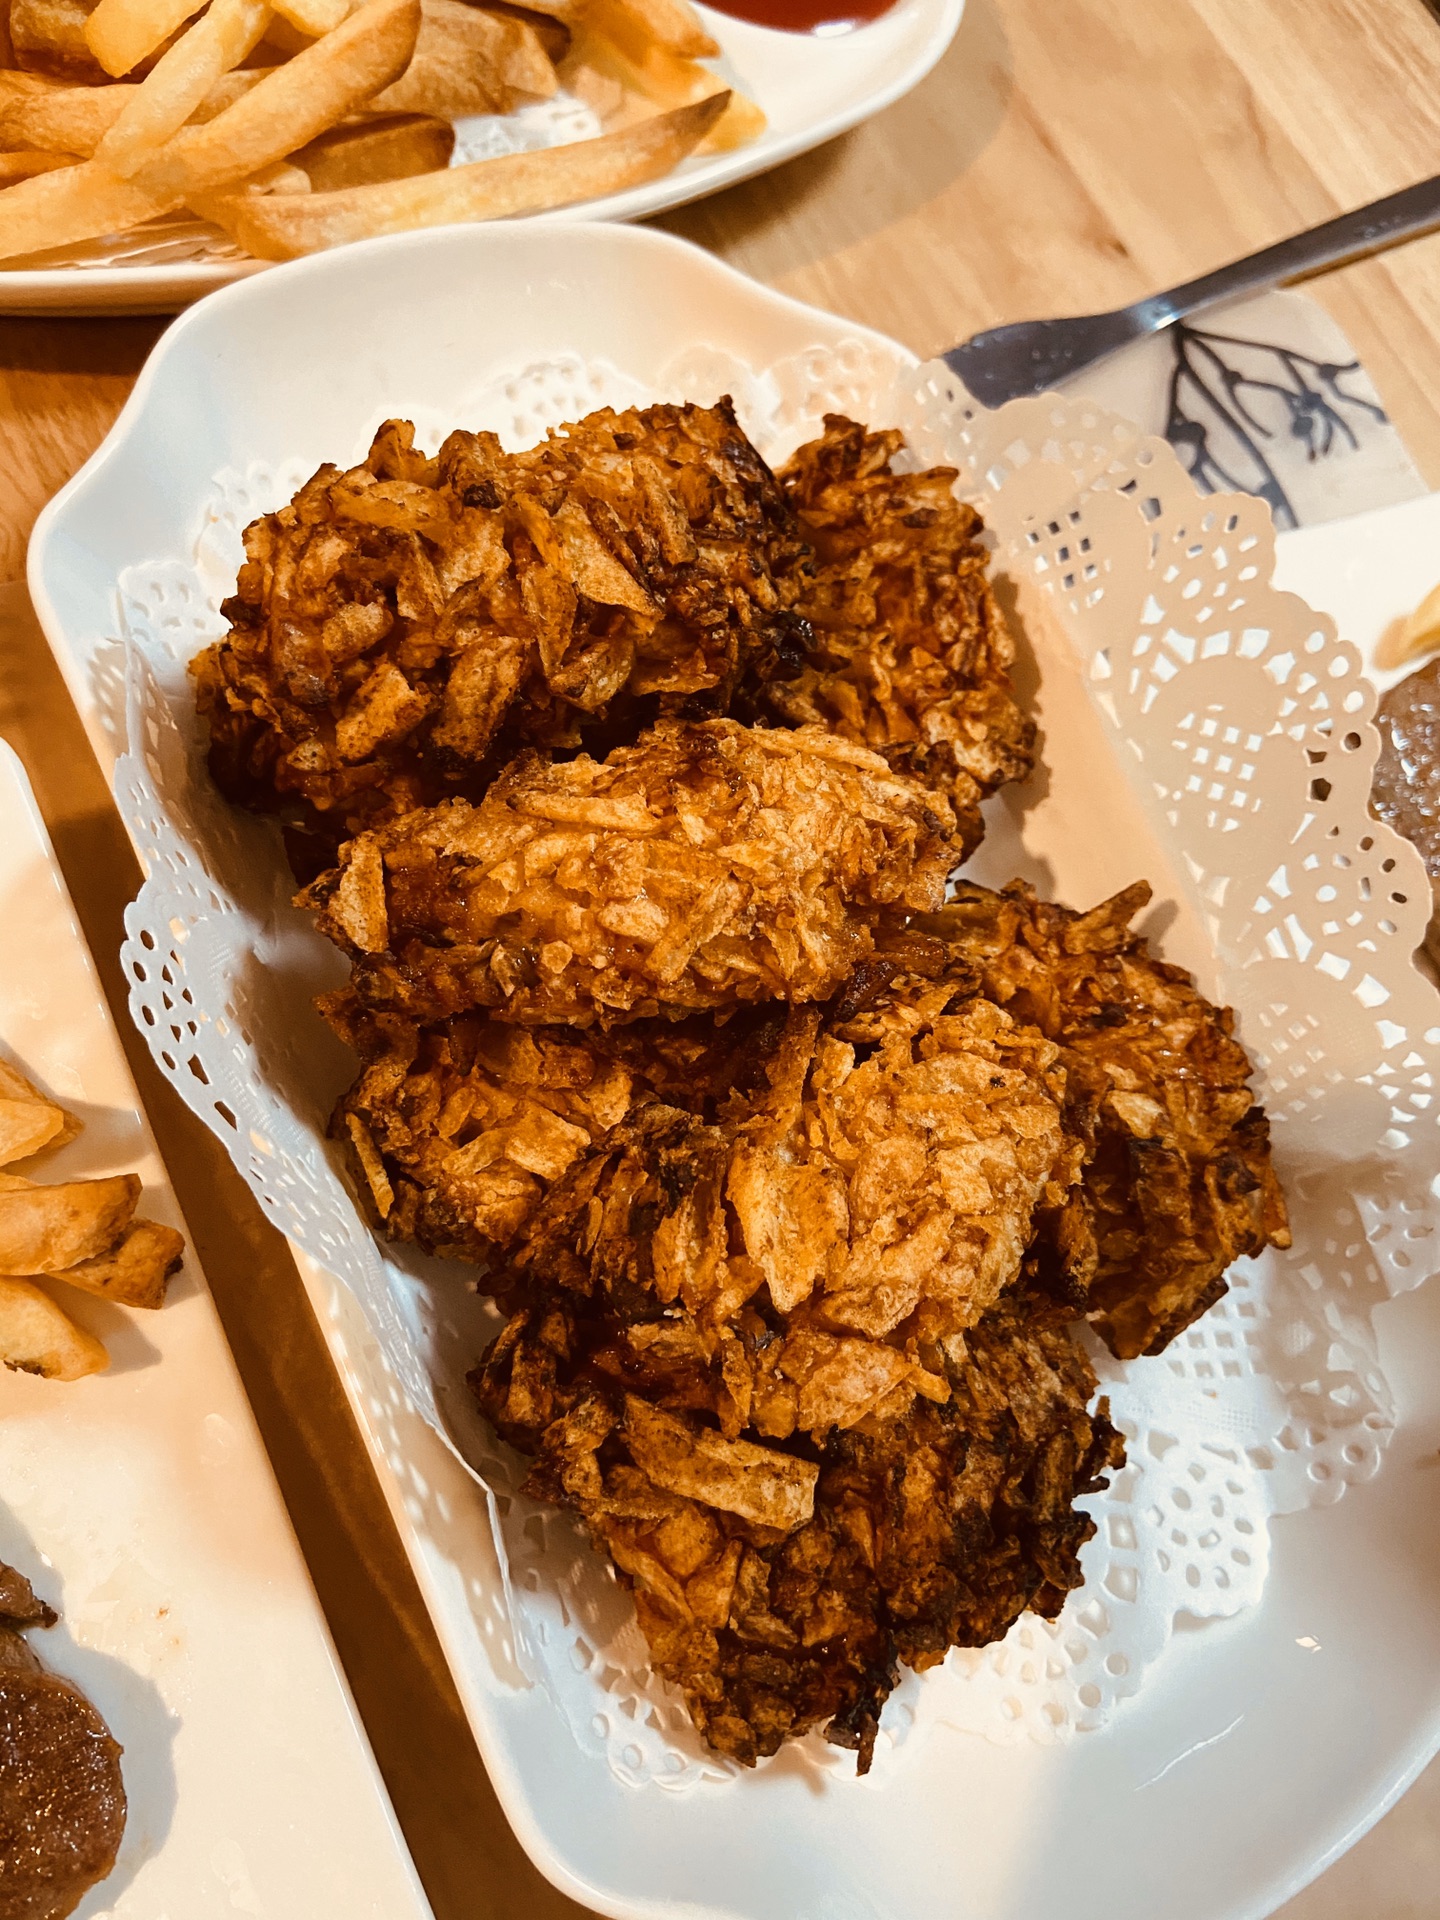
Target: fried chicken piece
[(881, 1195), (1177, 1179), (1165, 1178), (707, 866), (400, 629), (779, 1587), (910, 654)]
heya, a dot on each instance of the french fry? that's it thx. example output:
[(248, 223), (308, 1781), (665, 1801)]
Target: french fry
[(394, 149), (290, 107), (1419, 633), (24, 166), (313, 17), (603, 93), (282, 228), (137, 1269), (43, 1229), (553, 32), (636, 26), (16, 1087), (36, 1336), (229, 88), (73, 203), (28, 1125), (568, 12), (122, 33), (285, 38), (58, 119), (48, 36), (180, 80), (468, 61), (670, 81)]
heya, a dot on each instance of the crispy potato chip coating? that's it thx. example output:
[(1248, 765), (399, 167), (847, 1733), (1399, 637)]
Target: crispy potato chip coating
[(399, 630), (1164, 1177), (1177, 1180), (849, 1237), (933, 1527), (911, 655), (883, 1200), (707, 866), (759, 1484)]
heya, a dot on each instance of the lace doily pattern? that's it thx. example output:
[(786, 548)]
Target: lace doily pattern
[(1242, 725)]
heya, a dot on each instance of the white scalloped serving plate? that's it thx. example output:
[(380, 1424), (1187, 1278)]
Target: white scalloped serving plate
[(1259, 1746), (141, 1504), (810, 86)]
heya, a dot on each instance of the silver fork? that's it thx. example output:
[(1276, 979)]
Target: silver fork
[(1027, 357)]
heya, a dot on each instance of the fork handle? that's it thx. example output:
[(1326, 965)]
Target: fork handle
[(1366, 230)]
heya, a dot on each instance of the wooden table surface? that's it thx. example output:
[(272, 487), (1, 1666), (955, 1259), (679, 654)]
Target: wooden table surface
[(1066, 155)]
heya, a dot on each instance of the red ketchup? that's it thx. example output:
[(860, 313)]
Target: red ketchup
[(803, 16)]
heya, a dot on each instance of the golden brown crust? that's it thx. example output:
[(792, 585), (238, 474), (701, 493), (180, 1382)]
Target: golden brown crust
[(1177, 1181), (400, 629), (709, 866), (905, 1534), (909, 653), (852, 1237)]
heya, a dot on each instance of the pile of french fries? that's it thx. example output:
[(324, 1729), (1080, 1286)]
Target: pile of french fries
[(84, 1232), (307, 123)]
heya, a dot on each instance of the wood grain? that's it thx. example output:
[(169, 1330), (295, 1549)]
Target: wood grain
[(1071, 155), (1066, 155), (62, 382)]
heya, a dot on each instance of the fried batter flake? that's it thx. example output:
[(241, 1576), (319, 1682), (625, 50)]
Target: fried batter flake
[(931, 1527), (400, 629), (708, 866), (890, 1196), (909, 652), (1177, 1180)]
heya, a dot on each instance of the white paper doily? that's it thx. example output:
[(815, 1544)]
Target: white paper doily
[(1238, 728)]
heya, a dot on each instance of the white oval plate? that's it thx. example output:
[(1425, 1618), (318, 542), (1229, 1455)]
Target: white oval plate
[(810, 86), (1260, 1746)]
